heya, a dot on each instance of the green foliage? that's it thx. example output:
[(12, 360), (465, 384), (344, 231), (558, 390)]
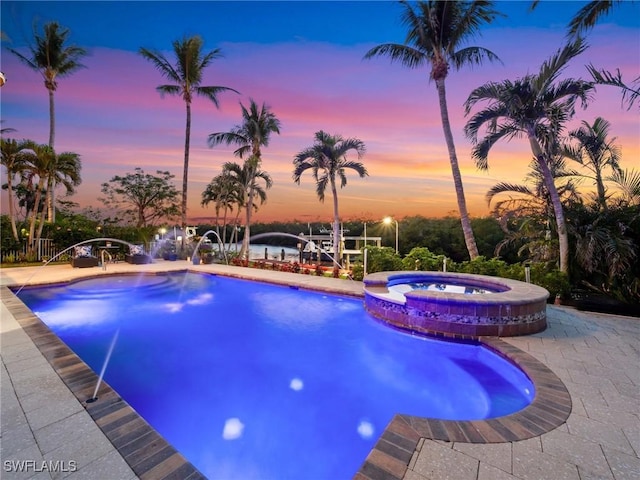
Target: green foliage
[(421, 258), (357, 271), (143, 198), (556, 282), (482, 266), (380, 259)]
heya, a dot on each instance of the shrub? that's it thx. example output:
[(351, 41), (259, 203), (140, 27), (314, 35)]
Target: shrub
[(357, 271), (421, 258), (381, 259)]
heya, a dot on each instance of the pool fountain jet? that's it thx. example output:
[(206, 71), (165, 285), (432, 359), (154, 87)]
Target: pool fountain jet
[(94, 397), (101, 239), (220, 243)]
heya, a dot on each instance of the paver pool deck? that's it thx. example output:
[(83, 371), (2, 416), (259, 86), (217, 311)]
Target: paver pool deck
[(597, 357)]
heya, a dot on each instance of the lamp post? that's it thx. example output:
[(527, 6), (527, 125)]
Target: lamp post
[(387, 221)]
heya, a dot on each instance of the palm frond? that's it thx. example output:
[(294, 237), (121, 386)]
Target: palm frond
[(588, 16), (603, 77)]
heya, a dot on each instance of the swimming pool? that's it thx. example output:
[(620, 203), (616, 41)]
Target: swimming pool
[(252, 380)]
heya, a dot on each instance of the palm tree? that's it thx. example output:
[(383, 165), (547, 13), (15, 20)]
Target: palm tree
[(536, 107), (39, 158), (226, 193), (186, 76), (530, 206), (246, 181), (52, 59), (436, 33), (327, 160), (585, 19), (627, 183), (13, 160), (630, 93), (595, 152), (42, 164), (258, 123), (64, 169)]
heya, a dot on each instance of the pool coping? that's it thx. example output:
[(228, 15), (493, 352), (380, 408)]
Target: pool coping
[(389, 458)]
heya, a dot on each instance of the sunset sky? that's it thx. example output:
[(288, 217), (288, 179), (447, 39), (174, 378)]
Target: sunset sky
[(305, 60)]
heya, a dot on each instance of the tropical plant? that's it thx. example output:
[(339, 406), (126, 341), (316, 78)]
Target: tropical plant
[(53, 59), (327, 160), (14, 161), (525, 211), (607, 249), (423, 259), (383, 259), (64, 169), (594, 151), (258, 123), (226, 193), (186, 76), (145, 198), (630, 93), (536, 107), (627, 182), (436, 32), (247, 179), (41, 162), (585, 19)]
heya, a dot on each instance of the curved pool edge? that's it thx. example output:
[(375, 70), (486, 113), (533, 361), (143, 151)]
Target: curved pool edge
[(520, 309), (395, 447), (549, 410)]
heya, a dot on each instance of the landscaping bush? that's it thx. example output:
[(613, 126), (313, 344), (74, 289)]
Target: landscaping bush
[(421, 258), (380, 259)]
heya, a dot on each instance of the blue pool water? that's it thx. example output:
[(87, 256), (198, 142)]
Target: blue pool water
[(257, 381)]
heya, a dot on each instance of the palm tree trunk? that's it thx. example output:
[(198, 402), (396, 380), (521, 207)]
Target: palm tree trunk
[(12, 213), (469, 238), (336, 226), (255, 159), (52, 119), (34, 217), (51, 212), (244, 251), (40, 226), (50, 201), (561, 224), (602, 198), (185, 174)]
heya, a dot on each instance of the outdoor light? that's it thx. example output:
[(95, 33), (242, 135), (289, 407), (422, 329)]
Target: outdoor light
[(387, 221)]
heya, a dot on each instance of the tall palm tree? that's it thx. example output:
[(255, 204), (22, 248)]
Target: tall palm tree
[(595, 152), (14, 161), (186, 76), (327, 160), (536, 107), (436, 32), (52, 59), (258, 123)]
